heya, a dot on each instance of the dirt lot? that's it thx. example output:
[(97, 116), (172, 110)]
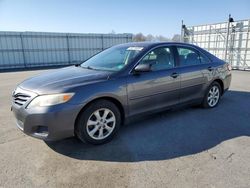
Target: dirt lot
[(189, 147)]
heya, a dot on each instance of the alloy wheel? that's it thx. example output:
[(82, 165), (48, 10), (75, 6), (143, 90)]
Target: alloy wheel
[(101, 124), (213, 96)]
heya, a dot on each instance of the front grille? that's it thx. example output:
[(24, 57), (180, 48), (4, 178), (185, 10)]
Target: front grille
[(20, 98)]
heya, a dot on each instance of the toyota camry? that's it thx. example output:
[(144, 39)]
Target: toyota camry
[(91, 100)]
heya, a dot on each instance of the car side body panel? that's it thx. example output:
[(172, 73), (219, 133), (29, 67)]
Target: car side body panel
[(152, 90), (193, 82)]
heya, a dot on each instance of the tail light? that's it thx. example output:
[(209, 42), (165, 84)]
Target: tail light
[(229, 67)]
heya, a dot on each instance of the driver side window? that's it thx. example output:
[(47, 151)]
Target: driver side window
[(159, 59)]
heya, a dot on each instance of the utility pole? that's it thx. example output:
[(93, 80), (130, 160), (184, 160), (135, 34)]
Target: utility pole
[(182, 39), (183, 31), (230, 19)]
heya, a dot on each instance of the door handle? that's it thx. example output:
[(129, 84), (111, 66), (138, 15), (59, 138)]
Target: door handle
[(174, 75), (210, 68)]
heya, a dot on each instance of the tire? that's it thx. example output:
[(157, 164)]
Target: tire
[(213, 93), (99, 122)]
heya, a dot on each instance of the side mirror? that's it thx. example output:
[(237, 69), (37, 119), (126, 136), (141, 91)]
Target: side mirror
[(142, 68)]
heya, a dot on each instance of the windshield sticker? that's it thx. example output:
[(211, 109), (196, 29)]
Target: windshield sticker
[(135, 48)]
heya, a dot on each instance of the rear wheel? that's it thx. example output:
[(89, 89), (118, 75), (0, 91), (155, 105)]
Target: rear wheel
[(99, 122), (212, 96)]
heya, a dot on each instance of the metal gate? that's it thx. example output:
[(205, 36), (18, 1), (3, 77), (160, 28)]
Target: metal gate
[(229, 41)]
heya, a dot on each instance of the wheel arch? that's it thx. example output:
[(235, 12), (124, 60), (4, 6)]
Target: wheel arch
[(108, 98), (219, 81)]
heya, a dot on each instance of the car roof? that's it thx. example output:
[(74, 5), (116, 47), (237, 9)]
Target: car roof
[(152, 44), (149, 45)]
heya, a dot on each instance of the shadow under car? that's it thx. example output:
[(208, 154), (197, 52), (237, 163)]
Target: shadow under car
[(169, 134)]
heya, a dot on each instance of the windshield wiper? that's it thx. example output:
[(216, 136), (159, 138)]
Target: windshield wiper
[(88, 67)]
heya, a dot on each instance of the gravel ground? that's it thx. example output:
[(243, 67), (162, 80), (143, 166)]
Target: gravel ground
[(188, 147)]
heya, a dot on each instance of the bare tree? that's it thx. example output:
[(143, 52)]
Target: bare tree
[(162, 38), (150, 37), (112, 31), (176, 38), (139, 37)]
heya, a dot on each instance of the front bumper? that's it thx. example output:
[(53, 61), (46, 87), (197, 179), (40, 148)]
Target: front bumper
[(47, 123)]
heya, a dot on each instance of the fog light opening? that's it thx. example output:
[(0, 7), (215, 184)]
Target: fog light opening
[(42, 131)]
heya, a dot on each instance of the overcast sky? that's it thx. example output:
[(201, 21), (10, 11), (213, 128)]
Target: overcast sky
[(123, 16)]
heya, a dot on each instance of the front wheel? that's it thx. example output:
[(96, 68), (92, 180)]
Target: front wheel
[(99, 122), (212, 96)]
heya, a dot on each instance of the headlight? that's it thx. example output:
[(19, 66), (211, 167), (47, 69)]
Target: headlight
[(49, 100)]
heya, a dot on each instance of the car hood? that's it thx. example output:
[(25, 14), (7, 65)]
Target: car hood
[(62, 79)]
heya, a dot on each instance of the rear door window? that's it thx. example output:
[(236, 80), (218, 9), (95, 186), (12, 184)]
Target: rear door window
[(204, 59), (189, 57)]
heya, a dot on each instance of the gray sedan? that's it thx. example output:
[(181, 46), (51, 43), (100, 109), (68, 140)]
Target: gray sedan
[(92, 100)]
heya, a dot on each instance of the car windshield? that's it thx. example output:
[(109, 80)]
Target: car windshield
[(112, 59)]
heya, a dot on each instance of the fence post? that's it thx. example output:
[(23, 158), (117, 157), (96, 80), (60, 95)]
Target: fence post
[(102, 42), (23, 51), (68, 49), (128, 38), (209, 38), (247, 39)]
